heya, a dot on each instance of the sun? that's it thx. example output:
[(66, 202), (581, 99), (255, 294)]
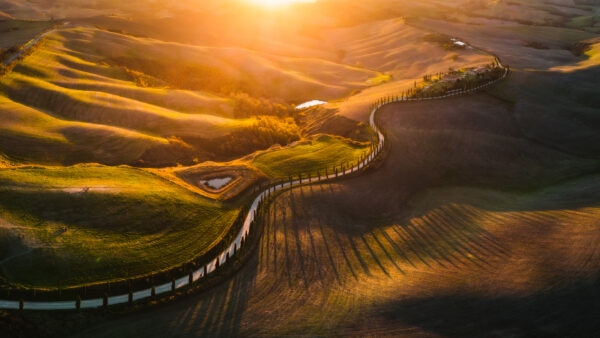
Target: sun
[(276, 3)]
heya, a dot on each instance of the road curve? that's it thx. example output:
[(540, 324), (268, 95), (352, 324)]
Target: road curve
[(30, 44), (248, 222)]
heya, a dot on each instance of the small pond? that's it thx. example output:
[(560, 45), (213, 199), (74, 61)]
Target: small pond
[(310, 104), (217, 183), (458, 42)]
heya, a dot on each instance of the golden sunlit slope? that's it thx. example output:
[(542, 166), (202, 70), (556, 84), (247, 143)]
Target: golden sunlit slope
[(223, 70), (398, 49), (99, 107), (401, 51), (180, 102), (30, 134), (48, 9)]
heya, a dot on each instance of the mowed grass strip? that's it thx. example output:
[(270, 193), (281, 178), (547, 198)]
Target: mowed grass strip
[(76, 225), (310, 157)]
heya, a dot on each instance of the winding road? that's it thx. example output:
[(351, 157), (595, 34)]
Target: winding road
[(248, 222), (31, 44)]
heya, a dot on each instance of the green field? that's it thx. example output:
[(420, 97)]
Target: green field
[(82, 224), (309, 157)]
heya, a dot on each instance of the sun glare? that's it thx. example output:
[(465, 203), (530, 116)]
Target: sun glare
[(275, 3)]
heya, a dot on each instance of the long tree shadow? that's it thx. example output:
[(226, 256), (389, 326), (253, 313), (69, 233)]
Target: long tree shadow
[(395, 246), (385, 251), (326, 241), (329, 193), (297, 215), (374, 256), (317, 263), (284, 229), (217, 313), (454, 244)]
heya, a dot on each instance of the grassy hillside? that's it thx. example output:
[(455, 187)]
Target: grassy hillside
[(311, 156), (59, 97), (73, 225), (226, 70), (111, 98)]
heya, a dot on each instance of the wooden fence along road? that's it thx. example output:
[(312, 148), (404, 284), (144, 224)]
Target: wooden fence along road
[(248, 224)]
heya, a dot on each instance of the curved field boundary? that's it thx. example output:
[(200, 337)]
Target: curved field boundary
[(32, 43), (248, 224)]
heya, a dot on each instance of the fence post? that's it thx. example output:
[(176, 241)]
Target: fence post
[(105, 299), (21, 304), (205, 271), (172, 283), (191, 278), (130, 298)]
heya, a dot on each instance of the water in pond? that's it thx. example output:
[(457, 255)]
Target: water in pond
[(310, 104), (217, 183), (458, 42)]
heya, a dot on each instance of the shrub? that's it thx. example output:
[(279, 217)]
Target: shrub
[(247, 106), (536, 45), (443, 40)]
